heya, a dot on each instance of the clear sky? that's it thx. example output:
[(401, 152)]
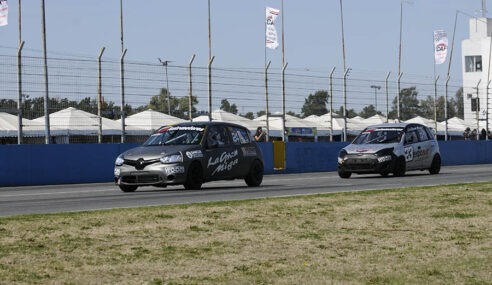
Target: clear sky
[(175, 30)]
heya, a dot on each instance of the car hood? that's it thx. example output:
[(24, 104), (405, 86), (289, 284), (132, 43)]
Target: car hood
[(154, 152), (368, 148)]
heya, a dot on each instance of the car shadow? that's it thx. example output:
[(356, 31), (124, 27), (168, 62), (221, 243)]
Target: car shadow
[(374, 176), (177, 189)]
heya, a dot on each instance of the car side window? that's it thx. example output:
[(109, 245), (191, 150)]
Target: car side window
[(429, 133), (239, 136), (411, 137), (217, 137), (422, 135)]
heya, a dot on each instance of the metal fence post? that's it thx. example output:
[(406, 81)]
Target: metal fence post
[(284, 137), (190, 91), (331, 104), (435, 105), (46, 88), (487, 114), (99, 96), (19, 90), (446, 109), (266, 102), (345, 104), (122, 75), (387, 100), (477, 109), (398, 97), (210, 88)]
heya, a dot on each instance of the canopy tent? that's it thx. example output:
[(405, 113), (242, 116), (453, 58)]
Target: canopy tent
[(9, 127), (456, 127), (423, 121), (374, 120), (223, 116), (275, 124), (76, 122), (148, 121), (324, 121)]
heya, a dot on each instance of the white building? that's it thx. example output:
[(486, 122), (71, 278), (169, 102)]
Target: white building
[(475, 58)]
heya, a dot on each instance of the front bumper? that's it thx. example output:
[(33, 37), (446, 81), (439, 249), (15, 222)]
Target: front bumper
[(154, 174), (366, 163)]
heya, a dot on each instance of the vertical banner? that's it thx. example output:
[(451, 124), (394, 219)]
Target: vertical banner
[(440, 46), (271, 32), (4, 13)]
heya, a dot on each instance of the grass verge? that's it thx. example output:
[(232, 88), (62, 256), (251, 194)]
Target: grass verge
[(415, 235)]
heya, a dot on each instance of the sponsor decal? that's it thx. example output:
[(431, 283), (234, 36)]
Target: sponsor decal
[(421, 154), (181, 128), (174, 169), (194, 154), (249, 151), (362, 150), (409, 153), (225, 162)]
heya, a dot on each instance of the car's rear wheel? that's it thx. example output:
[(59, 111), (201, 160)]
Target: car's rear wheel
[(194, 178), (344, 174), (255, 175), (384, 174), (128, 188), (436, 165), (400, 167)]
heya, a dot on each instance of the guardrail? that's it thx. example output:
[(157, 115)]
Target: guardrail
[(87, 163)]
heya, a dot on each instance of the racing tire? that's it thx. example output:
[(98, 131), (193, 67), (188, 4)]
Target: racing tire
[(255, 175), (435, 165), (344, 174), (400, 167), (384, 174), (194, 177), (128, 188)]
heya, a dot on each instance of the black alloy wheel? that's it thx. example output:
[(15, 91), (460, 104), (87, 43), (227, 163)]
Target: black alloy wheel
[(400, 167), (344, 174), (255, 175), (128, 188), (436, 165), (194, 178)]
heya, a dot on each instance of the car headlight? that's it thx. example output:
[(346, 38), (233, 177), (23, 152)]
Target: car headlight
[(342, 156), (384, 158), (119, 161), (172, 158)]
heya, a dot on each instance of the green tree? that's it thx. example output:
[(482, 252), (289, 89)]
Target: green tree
[(369, 111), (315, 104), (249, 115), (293, 114), (350, 112), (458, 103), (226, 106), (260, 113), (409, 104), (179, 105)]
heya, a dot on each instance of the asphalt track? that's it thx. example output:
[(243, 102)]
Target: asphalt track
[(82, 197)]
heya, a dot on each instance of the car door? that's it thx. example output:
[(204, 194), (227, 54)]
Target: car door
[(411, 145), (424, 154), (221, 157), (247, 151)]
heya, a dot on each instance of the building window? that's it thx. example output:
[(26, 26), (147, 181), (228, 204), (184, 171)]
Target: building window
[(473, 63), (475, 102)]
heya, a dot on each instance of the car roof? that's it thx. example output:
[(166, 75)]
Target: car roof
[(205, 123), (394, 125)]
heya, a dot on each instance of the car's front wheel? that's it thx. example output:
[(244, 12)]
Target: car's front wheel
[(194, 178), (436, 165), (344, 174), (255, 175), (128, 188), (400, 167)]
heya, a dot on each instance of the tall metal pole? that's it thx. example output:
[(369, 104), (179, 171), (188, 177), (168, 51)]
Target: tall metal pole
[(435, 106), (387, 100), (452, 43), (398, 97), (345, 104), (99, 96), (399, 46), (46, 89), (190, 93), (121, 24), (283, 34), (343, 37), (20, 22), (167, 91), (210, 88), (376, 88), (266, 102), (487, 114), (123, 115), (331, 104), (446, 109), (19, 90), (209, 36), (284, 138), (477, 109)]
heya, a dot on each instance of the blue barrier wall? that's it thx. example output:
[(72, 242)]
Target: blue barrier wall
[(85, 163)]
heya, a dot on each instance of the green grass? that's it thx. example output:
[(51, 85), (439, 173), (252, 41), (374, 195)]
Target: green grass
[(414, 235)]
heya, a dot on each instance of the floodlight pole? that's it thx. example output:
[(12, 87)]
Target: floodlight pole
[(398, 97), (345, 104), (446, 109), (99, 96), (376, 88), (210, 88), (284, 137), (190, 94), (122, 108), (266, 103), (435, 105), (331, 104)]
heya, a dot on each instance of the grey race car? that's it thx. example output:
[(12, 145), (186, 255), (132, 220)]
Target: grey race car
[(391, 148), (191, 154)]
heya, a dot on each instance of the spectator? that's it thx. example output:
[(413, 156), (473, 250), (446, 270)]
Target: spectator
[(466, 134), (483, 134), (260, 135), (473, 135)]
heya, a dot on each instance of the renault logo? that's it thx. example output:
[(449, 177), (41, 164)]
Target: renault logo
[(140, 164)]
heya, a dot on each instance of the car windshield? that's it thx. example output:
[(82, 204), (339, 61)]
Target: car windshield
[(176, 135), (379, 136)]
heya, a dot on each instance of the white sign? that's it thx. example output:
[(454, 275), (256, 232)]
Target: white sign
[(271, 32), (4, 13), (440, 46)]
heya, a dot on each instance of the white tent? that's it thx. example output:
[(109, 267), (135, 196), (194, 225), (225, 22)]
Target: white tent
[(9, 127), (275, 124), (77, 122), (423, 121), (375, 120), (456, 127), (223, 116), (324, 120), (148, 121)]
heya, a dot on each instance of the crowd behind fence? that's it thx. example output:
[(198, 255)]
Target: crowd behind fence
[(107, 89)]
